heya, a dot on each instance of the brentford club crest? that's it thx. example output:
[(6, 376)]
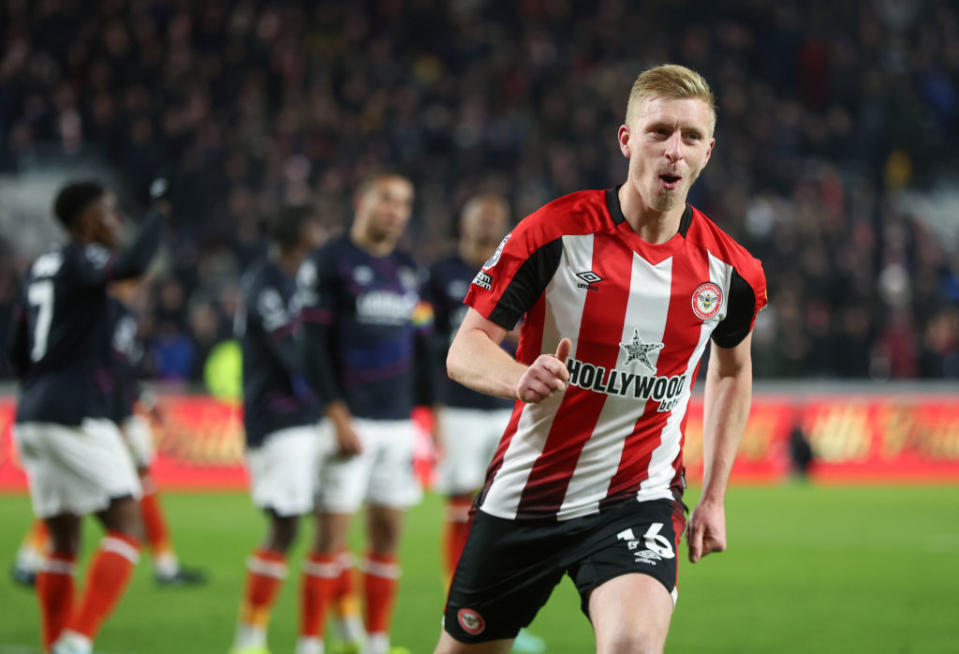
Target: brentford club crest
[(471, 621), (707, 298)]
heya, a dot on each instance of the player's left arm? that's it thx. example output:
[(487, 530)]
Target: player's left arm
[(729, 382), (728, 396)]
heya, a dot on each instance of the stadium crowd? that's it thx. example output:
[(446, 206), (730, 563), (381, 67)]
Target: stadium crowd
[(826, 110)]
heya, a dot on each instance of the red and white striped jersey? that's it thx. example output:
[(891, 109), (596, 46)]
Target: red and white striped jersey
[(639, 316)]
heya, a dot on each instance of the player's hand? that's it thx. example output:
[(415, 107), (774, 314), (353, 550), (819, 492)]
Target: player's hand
[(347, 441), (547, 376), (706, 532), (436, 436)]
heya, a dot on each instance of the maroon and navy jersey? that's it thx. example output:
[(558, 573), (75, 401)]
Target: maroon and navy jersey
[(639, 316), (275, 393), (367, 326), (449, 281), (126, 355)]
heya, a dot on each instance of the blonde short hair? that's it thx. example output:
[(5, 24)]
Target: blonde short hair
[(668, 81)]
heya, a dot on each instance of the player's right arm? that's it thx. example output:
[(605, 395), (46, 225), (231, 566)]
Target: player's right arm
[(477, 361), (314, 288), (98, 267), (18, 339)]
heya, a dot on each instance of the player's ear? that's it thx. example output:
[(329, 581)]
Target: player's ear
[(623, 138), (709, 151)]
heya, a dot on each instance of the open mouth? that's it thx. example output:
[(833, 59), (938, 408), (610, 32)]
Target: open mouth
[(670, 181)]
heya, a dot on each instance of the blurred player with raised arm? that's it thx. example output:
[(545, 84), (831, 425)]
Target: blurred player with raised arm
[(622, 291), (469, 423), (74, 455), (366, 333), (280, 415)]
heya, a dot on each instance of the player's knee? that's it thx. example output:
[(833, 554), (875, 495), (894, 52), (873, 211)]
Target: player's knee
[(123, 516), (283, 533), (632, 642)]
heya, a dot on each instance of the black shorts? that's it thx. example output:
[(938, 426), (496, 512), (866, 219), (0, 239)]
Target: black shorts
[(509, 568)]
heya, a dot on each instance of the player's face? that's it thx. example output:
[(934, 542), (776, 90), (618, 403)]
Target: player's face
[(668, 146), (312, 234), (104, 222), (485, 223), (384, 208)]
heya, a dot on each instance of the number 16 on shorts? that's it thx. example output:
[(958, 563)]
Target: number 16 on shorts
[(657, 546)]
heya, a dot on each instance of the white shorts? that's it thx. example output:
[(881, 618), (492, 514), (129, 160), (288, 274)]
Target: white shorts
[(382, 474), (283, 470), (76, 470), (139, 438), (470, 437)]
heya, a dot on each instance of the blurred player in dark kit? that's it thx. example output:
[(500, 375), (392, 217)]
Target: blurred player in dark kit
[(366, 346), (128, 407), (74, 455), (280, 415), (469, 423), (627, 287)]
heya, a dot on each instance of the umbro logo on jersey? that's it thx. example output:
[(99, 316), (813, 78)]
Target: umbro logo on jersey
[(588, 278)]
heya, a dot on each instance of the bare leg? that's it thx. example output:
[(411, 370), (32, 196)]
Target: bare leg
[(630, 615)]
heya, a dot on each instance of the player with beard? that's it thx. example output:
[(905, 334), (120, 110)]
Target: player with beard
[(623, 289), (74, 455), (366, 328)]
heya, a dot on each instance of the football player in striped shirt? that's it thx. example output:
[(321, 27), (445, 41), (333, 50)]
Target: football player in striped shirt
[(622, 290), (366, 333)]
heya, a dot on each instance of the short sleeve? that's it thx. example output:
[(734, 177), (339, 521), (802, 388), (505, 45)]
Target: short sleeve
[(515, 276), (747, 297), (314, 282)]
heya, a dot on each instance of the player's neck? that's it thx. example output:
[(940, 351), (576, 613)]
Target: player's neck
[(289, 260), (375, 247), (654, 227), (475, 254)]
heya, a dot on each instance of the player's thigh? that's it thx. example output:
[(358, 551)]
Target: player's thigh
[(139, 438), (635, 537), (76, 470), (393, 482), (469, 440), (343, 480), (506, 573), (449, 645), (630, 613), (283, 471)]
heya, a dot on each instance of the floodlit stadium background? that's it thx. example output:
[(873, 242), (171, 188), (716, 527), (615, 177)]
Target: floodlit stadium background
[(835, 163)]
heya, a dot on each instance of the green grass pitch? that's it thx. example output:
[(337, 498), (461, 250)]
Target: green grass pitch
[(809, 569)]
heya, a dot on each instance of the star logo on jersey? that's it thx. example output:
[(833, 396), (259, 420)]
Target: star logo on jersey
[(637, 350)]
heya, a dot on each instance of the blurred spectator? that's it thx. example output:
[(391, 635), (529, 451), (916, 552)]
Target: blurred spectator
[(826, 110)]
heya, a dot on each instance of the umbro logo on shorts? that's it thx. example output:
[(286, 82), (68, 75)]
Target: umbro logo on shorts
[(588, 278)]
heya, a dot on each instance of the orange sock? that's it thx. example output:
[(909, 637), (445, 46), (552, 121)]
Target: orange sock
[(266, 570), (107, 579), (38, 537), (55, 593), (158, 536), (347, 601), (380, 577), (456, 528), (320, 577)]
